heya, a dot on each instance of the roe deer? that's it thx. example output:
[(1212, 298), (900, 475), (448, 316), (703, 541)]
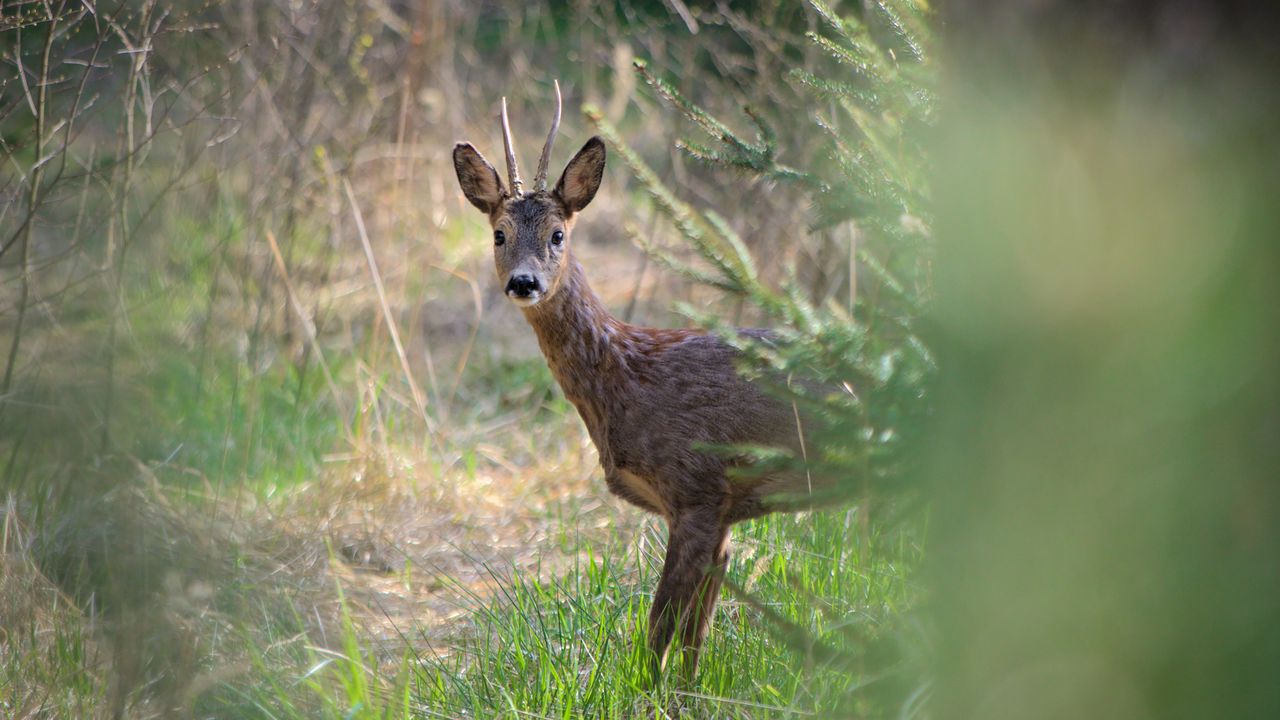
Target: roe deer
[(648, 396)]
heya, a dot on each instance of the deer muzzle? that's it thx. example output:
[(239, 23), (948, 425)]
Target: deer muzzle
[(524, 289)]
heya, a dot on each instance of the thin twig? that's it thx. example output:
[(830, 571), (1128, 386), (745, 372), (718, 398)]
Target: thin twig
[(310, 328), (804, 454), (418, 397), (33, 199), (853, 267), (478, 302)]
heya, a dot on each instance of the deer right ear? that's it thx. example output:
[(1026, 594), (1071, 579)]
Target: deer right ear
[(477, 177)]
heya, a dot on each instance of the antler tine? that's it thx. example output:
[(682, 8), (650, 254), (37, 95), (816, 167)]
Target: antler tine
[(513, 170), (540, 180)]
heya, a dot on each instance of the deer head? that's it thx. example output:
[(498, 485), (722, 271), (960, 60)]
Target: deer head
[(530, 230)]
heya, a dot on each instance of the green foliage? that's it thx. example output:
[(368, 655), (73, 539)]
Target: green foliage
[(865, 367), (871, 107), (860, 371)]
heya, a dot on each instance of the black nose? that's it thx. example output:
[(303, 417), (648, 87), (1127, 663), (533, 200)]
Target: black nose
[(522, 285)]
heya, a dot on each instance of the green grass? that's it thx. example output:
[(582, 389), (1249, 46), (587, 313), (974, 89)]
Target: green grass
[(818, 626), (42, 649), (272, 432), (572, 646)]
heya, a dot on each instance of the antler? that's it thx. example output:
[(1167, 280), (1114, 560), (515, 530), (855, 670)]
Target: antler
[(540, 180), (513, 170)]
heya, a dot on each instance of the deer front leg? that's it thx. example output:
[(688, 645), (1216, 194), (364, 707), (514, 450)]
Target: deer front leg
[(698, 623), (697, 550)]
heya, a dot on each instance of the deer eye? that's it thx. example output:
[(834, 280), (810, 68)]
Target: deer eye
[(557, 237), (499, 237)]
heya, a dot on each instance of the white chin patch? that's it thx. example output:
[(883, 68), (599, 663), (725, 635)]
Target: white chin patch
[(525, 302)]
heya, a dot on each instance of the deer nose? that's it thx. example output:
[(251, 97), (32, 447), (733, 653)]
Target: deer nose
[(522, 285)]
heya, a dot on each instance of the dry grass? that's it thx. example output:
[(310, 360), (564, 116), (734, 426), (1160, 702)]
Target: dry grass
[(412, 557), (40, 630), (173, 582)]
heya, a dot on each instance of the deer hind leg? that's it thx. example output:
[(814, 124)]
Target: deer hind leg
[(697, 550)]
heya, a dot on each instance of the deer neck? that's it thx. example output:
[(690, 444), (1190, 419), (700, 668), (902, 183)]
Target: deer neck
[(576, 334)]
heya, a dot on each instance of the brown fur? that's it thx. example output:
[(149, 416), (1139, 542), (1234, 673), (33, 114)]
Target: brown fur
[(648, 396)]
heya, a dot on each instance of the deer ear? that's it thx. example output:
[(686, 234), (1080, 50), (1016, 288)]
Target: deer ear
[(582, 176), (477, 177)]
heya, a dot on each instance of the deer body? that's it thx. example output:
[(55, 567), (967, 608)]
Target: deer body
[(647, 396)]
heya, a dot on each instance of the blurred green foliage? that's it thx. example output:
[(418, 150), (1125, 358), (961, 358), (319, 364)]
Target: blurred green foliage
[(1104, 461)]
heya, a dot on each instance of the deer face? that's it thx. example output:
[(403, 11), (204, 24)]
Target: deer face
[(530, 231)]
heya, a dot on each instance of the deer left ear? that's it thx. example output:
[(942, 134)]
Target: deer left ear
[(582, 176)]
